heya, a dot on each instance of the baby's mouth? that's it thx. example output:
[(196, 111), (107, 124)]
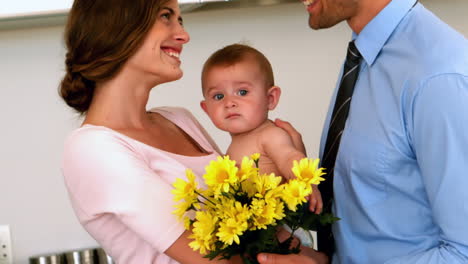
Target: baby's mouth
[(232, 115)]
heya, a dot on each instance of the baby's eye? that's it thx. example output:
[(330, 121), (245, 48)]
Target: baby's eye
[(218, 97), (242, 92)]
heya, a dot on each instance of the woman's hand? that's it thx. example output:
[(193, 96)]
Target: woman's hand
[(295, 136)]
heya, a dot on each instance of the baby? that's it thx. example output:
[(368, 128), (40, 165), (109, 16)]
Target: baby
[(239, 91)]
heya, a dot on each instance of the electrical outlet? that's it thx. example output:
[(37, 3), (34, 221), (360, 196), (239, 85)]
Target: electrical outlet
[(6, 256)]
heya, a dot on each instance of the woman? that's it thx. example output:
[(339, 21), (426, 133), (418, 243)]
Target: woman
[(119, 165)]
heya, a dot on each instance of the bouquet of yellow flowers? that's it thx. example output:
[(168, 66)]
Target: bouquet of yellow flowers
[(239, 211)]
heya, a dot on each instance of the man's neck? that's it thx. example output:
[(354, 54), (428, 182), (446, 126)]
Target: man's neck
[(368, 9)]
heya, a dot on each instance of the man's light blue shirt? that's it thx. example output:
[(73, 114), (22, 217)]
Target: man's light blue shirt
[(401, 174)]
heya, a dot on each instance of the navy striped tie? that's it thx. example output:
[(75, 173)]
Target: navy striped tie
[(336, 127)]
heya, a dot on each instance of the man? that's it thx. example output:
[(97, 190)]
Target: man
[(400, 174)]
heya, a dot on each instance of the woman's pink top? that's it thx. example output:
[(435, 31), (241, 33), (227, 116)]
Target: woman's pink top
[(120, 188)]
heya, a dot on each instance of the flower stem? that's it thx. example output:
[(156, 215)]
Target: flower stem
[(205, 198)]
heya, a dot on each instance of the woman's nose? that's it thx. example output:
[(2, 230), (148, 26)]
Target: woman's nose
[(182, 35)]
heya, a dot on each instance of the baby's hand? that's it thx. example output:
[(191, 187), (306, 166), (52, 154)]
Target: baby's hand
[(315, 200)]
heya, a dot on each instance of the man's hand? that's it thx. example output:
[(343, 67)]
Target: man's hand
[(295, 136), (307, 256), (284, 259), (315, 200), (267, 258)]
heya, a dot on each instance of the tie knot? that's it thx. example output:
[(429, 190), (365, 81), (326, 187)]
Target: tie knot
[(353, 57)]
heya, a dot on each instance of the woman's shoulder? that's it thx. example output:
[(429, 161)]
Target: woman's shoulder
[(180, 116), (173, 111), (91, 134), (187, 121), (96, 140)]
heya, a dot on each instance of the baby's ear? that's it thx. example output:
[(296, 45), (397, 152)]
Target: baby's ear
[(273, 95), (203, 106)]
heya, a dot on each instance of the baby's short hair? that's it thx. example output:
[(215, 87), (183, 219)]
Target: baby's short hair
[(235, 53)]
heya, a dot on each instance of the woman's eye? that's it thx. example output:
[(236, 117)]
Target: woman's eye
[(218, 97), (242, 92), (166, 15)]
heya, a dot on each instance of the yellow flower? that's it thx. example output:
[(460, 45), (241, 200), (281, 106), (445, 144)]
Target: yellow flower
[(222, 207), (203, 230), (185, 189), (265, 182), (295, 192), (187, 223), (279, 210), (234, 225), (221, 174), (181, 208), (275, 193), (308, 171), (266, 211), (248, 186), (229, 232), (274, 199), (238, 200), (255, 157), (263, 213), (208, 193), (247, 169)]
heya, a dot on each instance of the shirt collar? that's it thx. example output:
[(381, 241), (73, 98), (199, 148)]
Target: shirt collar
[(376, 33)]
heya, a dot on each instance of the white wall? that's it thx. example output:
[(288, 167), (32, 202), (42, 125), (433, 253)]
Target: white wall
[(34, 122)]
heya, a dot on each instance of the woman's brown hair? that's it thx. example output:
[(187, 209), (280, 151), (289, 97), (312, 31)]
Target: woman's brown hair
[(100, 36)]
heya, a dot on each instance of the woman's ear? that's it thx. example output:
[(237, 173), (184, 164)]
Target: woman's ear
[(273, 95)]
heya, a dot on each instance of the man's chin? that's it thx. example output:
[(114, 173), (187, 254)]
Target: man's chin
[(313, 24), (316, 25)]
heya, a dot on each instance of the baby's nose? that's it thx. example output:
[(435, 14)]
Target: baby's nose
[(230, 103)]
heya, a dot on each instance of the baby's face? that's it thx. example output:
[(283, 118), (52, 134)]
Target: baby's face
[(236, 98)]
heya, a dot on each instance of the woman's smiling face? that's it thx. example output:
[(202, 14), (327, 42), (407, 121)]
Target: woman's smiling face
[(159, 54)]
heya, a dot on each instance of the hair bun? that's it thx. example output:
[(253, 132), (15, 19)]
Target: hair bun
[(76, 90)]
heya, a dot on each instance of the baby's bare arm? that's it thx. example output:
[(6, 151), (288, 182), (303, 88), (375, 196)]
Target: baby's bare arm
[(280, 148)]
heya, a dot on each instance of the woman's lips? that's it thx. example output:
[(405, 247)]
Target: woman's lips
[(172, 52)]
